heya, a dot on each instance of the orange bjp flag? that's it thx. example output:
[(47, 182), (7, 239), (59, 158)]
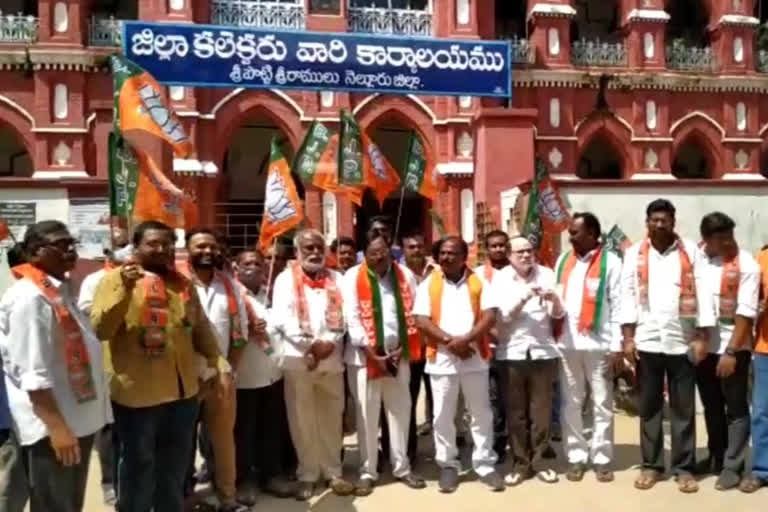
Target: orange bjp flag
[(282, 207), (326, 176), (378, 173)]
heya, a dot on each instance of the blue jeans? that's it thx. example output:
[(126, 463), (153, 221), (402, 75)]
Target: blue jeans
[(155, 446), (760, 417)]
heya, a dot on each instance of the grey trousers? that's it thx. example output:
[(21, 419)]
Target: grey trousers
[(13, 485), (52, 486)]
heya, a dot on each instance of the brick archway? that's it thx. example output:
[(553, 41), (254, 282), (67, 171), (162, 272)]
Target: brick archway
[(403, 110), (707, 137), (15, 124), (247, 104), (608, 128)]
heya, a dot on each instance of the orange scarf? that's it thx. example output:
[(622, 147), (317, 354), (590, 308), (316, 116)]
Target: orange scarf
[(155, 313), (475, 289), (334, 319), (237, 338), (594, 287), (729, 289), (253, 318), (688, 302), (761, 344), (76, 353), (369, 299)]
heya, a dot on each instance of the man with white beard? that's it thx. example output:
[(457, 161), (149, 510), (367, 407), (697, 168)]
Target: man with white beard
[(307, 315)]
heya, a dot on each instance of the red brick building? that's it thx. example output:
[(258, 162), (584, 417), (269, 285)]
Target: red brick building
[(624, 99)]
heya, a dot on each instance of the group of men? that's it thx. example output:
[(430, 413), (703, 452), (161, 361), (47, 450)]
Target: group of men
[(258, 354)]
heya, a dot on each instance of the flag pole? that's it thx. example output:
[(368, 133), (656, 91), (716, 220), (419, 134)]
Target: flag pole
[(271, 271), (399, 212)]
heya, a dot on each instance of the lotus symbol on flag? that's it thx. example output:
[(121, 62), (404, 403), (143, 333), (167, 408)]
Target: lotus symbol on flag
[(377, 161), (550, 205), (154, 105), (277, 206)]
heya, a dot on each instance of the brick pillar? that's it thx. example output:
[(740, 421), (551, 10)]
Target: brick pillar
[(551, 32), (732, 41), (502, 135)]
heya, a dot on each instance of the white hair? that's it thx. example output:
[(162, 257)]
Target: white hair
[(307, 233)]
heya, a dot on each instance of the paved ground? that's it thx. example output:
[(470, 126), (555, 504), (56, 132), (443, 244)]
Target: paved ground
[(532, 496)]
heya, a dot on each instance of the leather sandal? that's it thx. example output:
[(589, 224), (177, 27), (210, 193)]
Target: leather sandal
[(687, 484), (647, 479)]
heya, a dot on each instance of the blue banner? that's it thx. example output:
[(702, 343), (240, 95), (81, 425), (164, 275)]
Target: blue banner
[(218, 56)]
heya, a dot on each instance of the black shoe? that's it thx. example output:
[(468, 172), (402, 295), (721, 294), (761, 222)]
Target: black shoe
[(494, 481), (413, 481), (364, 487), (449, 480), (727, 480)]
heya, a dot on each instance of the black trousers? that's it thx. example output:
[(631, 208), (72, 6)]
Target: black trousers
[(417, 376), (726, 410), (498, 409), (527, 388), (681, 383), (263, 447), (54, 487)]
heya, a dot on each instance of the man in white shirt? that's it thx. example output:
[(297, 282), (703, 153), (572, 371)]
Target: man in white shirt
[(733, 278), (528, 305), (308, 319), (224, 308), (57, 391), (454, 313), (665, 313), (262, 441), (378, 298), (105, 441), (497, 247), (589, 282)]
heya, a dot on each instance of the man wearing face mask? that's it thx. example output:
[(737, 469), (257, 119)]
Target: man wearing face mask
[(105, 439), (261, 426), (528, 305), (665, 315), (224, 308), (155, 328), (54, 377), (308, 319), (378, 298), (733, 279)]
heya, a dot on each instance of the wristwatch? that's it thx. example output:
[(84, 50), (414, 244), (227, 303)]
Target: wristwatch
[(731, 352)]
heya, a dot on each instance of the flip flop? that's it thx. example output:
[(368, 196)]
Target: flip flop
[(647, 479), (687, 484), (750, 484)]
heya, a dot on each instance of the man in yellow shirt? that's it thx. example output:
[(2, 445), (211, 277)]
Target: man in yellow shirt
[(155, 329)]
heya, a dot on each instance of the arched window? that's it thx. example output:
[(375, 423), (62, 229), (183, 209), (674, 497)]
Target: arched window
[(600, 161), (691, 160)]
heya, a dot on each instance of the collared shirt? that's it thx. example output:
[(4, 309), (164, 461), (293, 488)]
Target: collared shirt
[(34, 359), (480, 271), (429, 266), (607, 335), (527, 333), (456, 319), (746, 301), (353, 354), (140, 380), (215, 303), (88, 289), (258, 369), (294, 344), (659, 329)]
